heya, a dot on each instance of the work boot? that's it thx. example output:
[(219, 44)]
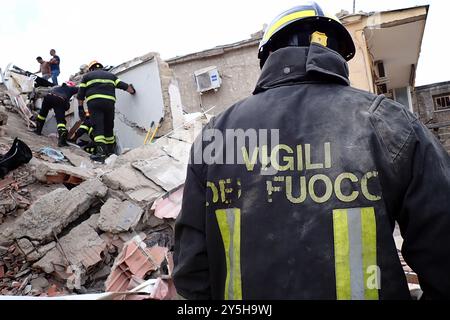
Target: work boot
[(39, 126), (110, 149), (100, 153), (62, 139)]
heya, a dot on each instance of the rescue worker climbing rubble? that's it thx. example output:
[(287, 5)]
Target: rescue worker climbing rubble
[(310, 212), (98, 89), (86, 128), (57, 99)]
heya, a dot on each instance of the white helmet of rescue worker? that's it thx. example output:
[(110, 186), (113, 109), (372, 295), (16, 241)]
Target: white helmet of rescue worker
[(301, 25)]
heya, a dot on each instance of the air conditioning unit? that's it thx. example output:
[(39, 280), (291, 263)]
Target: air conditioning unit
[(207, 79)]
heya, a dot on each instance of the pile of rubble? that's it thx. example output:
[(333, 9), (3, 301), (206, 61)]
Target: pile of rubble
[(99, 229)]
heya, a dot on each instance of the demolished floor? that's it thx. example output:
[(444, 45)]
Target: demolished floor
[(76, 227)]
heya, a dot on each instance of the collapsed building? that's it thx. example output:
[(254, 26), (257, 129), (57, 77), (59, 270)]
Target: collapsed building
[(69, 225)]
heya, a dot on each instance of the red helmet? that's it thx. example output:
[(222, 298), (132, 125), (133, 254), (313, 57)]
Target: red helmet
[(71, 84)]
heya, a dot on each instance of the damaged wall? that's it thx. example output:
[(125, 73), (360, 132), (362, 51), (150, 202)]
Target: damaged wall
[(238, 67), (152, 79)]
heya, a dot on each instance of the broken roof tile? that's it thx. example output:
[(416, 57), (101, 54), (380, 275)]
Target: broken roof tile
[(169, 206)]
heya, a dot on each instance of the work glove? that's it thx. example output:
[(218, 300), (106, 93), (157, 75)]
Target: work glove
[(81, 113), (131, 89)]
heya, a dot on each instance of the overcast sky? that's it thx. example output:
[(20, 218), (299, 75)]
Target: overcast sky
[(115, 31)]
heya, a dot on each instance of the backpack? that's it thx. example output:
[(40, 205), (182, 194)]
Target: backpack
[(19, 154)]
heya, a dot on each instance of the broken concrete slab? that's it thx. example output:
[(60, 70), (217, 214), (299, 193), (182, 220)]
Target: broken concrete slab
[(78, 161), (82, 246), (93, 221), (47, 172), (133, 183), (117, 216), (34, 252), (165, 171), (39, 283), (50, 214), (3, 118), (141, 153), (150, 220), (178, 150), (186, 135)]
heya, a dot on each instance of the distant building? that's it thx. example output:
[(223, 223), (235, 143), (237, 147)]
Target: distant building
[(387, 51), (238, 70), (432, 105)]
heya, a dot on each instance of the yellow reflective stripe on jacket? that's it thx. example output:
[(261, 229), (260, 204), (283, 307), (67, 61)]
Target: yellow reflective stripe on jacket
[(341, 255), (117, 82), (100, 96), (286, 19), (355, 254), (84, 127), (93, 81), (369, 243), (229, 221), (83, 85), (61, 125), (41, 117)]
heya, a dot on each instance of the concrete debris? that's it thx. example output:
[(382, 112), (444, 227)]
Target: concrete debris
[(165, 171), (133, 183), (59, 237), (59, 173), (150, 220), (78, 161), (40, 283), (117, 216), (53, 212), (3, 118), (144, 152), (176, 149), (80, 249), (150, 289), (32, 252)]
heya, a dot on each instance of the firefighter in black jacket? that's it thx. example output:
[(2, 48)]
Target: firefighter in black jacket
[(86, 128), (98, 89), (303, 203), (57, 99)]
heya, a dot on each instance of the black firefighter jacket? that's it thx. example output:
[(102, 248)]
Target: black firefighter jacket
[(309, 212), (100, 84)]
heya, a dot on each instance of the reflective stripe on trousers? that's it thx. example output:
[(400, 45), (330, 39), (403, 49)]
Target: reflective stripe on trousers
[(100, 139), (100, 96), (229, 221), (110, 140), (355, 250)]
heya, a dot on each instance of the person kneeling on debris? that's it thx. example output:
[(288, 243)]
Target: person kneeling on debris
[(98, 88), (57, 99), (86, 128)]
